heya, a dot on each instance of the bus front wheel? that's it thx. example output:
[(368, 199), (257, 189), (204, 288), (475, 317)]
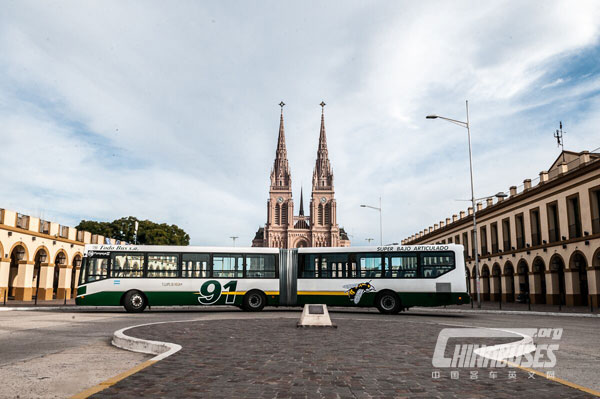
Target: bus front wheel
[(387, 302), (135, 302), (254, 301)]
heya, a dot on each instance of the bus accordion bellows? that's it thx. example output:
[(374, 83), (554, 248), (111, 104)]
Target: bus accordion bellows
[(391, 278)]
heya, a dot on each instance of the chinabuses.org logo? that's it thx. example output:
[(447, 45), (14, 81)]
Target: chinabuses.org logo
[(523, 352)]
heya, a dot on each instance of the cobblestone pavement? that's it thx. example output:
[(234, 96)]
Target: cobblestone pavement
[(271, 358)]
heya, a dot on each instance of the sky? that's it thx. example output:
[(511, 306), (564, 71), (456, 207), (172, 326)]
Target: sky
[(169, 111)]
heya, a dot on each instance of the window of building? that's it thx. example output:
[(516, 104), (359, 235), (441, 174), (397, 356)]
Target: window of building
[(436, 264), (260, 266), (574, 216), (449, 240), (328, 213), (277, 214), (520, 227), (465, 242), (163, 265), (553, 222), (506, 237), (536, 236), (195, 265), (228, 266), (402, 266), (595, 208), (494, 237), (127, 265), (284, 214), (473, 246), (483, 233), (371, 265), (457, 239)]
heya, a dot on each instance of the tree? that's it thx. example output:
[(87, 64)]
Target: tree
[(149, 233)]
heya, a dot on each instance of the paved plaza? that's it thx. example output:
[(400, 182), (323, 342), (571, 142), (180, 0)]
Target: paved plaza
[(228, 353)]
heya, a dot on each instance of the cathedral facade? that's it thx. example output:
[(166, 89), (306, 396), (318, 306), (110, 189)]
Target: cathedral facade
[(284, 229)]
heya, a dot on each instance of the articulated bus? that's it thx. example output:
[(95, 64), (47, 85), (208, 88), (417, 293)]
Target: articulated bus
[(391, 278)]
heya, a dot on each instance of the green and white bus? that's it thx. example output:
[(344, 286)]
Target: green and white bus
[(391, 278)]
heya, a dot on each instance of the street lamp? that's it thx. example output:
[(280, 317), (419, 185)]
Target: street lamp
[(466, 125), (369, 240), (380, 219), (234, 238)]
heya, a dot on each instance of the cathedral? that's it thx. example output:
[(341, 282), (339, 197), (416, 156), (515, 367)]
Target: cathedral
[(286, 230)]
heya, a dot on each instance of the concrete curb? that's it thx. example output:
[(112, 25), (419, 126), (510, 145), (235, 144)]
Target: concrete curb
[(161, 349), (519, 312)]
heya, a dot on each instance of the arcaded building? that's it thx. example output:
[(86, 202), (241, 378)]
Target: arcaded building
[(40, 259), (284, 229), (543, 239)]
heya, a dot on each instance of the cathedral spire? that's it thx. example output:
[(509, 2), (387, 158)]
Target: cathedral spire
[(322, 175), (301, 203), (280, 175)]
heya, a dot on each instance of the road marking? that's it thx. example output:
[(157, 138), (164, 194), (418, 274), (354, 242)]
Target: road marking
[(112, 381)]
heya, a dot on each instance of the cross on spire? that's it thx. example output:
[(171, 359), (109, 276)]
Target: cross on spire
[(282, 104), (322, 106)]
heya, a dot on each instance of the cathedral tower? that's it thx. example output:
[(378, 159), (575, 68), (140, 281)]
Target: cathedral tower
[(324, 229), (283, 229), (280, 206)]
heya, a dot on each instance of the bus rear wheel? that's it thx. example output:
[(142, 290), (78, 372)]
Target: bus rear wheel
[(388, 302), (135, 302), (254, 301)]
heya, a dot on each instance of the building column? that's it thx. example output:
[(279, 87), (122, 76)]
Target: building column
[(552, 287), (4, 273), (517, 284), (64, 282), (507, 294), (77, 272), (46, 276), (572, 287), (495, 288), (593, 275), (485, 295), (23, 288), (533, 290)]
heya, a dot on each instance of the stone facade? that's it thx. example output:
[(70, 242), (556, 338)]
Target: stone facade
[(544, 239), (285, 230), (40, 259)]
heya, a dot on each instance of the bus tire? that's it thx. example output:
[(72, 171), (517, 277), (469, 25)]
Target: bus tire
[(387, 302), (254, 301), (135, 301)]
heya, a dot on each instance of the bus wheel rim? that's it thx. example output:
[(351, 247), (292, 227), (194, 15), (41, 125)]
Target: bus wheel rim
[(388, 302), (255, 301), (137, 301)]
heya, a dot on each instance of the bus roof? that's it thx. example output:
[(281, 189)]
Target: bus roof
[(263, 250)]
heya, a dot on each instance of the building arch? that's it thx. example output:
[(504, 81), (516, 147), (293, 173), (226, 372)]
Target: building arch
[(485, 277), (523, 277), (60, 259), (557, 267), (22, 244), (301, 243), (578, 266), (76, 262), (496, 283), (41, 255), (1, 250), (18, 253), (539, 280), (509, 281), (473, 281), (468, 278)]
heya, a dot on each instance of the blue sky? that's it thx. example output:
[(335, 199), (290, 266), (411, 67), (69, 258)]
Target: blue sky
[(168, 111)]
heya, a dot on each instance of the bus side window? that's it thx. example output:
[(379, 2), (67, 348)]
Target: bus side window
[(195, 265)]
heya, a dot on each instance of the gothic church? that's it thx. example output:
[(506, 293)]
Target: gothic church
[(283, 228)]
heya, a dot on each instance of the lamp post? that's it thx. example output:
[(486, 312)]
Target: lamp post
[(234, 238), (380, 219), (467, 125), (369, 240)]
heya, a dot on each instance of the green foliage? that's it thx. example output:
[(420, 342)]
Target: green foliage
[(149, 233)]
